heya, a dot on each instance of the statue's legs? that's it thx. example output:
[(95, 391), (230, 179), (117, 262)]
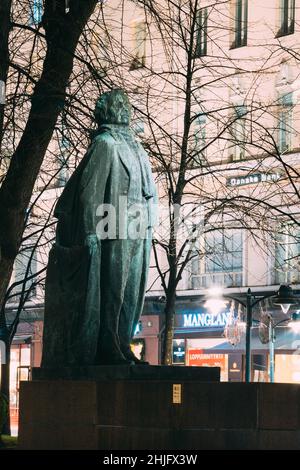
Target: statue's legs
[(116, 258), (134, 295), (124, 268)]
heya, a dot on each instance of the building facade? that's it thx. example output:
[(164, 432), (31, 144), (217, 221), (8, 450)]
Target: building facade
[(215, 92)]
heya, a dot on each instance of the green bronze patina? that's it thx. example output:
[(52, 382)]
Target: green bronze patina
[(95, 287)]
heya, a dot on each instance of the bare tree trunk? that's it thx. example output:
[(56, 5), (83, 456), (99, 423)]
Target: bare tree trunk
[(5, 7), (5, 375), (169, 328), (170, 297), (62, 34)]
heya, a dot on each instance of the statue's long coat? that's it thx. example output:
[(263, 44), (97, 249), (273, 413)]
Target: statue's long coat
[(72, 298)]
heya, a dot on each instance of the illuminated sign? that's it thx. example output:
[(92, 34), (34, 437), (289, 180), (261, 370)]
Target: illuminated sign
[(178, 351), (205, 320), (197, 358), (253, 179), (138, 328)]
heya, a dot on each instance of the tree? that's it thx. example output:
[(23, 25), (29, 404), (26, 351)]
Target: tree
[(62, 24)]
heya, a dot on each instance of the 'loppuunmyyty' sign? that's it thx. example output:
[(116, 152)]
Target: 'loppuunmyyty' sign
[(253, 179)]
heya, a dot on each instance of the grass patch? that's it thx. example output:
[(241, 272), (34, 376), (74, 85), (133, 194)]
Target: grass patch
[(9, 442)]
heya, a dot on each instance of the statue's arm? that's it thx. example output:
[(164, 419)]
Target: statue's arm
[(94, 181)]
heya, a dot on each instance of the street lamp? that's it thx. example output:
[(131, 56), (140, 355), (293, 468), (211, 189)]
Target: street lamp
[(284, 297), (271, 326)]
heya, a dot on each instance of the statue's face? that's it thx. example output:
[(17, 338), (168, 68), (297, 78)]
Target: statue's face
[(113, 107)]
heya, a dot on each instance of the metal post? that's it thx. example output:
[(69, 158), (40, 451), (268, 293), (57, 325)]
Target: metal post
[(271, 350), (248, 336)]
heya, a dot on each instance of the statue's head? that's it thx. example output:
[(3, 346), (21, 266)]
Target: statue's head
[(113, 107)]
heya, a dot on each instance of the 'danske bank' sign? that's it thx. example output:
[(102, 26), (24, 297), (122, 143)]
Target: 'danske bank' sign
[(253, 179)]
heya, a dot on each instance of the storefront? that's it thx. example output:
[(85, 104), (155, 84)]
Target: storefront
[(199, 340), (25, 353)]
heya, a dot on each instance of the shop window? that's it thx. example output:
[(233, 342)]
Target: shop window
[(259, 368), (222, 263), (285, 122), (286, 17), (197, 355), (240, 23), (237, 134), (287, 255), (201, 33), (139, 45), (20, 366), (287, 368)]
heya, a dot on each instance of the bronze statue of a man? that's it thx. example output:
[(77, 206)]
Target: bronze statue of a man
[(97, 270)]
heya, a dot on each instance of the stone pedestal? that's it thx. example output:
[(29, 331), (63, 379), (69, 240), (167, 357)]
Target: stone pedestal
[(158, 414)]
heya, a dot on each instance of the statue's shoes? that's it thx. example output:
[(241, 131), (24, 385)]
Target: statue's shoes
[(111, 361), (137, 361)]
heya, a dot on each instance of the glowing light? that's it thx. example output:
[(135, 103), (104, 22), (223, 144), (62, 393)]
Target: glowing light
[(215, 292), (215, 306), (285, 307)]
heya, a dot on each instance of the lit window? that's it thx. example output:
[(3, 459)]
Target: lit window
[(36, 12), (286, 17), (139, 45), (287, 255), (240, 23), (201, 33), (222, 263)]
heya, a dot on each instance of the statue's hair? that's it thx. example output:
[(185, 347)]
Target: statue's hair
[(113, 107)]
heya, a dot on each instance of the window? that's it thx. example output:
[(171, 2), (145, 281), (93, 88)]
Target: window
[(64, 145), (240, 23), (222, 262), (238, 133), (36, 12), (201, 33), (199, 138), (286, 17), (287, 255), (4, 164), (285, 122), (24, 274), (100, 44), (139, 45), (2, 92)]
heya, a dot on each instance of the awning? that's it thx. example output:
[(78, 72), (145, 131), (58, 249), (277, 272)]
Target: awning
[(286, 340), (22, 339)]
